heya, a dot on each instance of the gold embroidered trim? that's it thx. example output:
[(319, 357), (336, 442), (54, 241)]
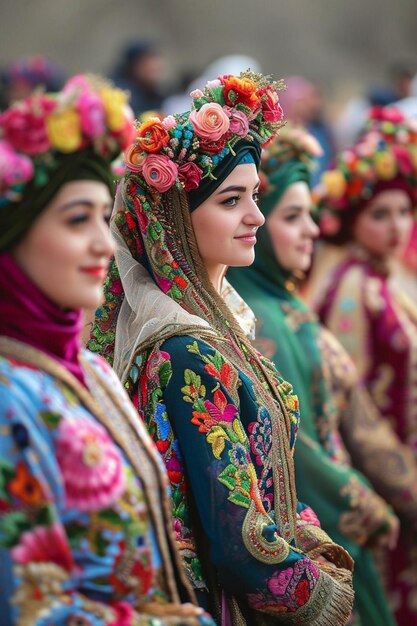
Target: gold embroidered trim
[(257, 545)]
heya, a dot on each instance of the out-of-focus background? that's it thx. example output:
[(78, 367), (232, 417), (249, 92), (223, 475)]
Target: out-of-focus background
[(340, 56)]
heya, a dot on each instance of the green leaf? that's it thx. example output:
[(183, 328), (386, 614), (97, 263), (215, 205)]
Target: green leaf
[(238, 498), (111, 517), (193, 348), (12, 526), (51, 419), (45, 516), (165, 373), (228, 477)]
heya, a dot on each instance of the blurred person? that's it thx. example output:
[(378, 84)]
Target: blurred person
[(220, 415), (398, 91), (227, 64), (343, 447), (85, 534), (367, 204), (140, 71), (23, 76), (303, 106)]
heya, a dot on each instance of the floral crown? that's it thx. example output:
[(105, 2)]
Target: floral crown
[(292, 143), (386, 150), (88, 112), (181, 150)]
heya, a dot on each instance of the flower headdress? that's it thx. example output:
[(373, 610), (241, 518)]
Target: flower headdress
[(88, 112), (386, 151), (292, 143), (182, 150)]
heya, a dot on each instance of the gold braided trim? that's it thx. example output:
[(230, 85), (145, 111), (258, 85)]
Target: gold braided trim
[(270, 552)]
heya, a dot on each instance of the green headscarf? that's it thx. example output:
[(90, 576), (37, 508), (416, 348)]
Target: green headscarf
[(291, 331), (16, 218)]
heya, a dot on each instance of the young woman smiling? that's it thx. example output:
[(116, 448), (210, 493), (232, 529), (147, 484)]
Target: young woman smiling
[(340, 428), (85, 534), (220, 415)]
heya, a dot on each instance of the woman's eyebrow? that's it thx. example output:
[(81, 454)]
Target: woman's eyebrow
[(82, 202), (232, 188)]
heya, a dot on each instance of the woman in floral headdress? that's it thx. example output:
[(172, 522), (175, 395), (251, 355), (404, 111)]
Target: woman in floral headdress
[(187, 210), (85, 531), (340, 423), (368, 202)]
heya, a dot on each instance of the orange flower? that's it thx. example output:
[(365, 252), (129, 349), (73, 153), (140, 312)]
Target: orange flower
[(152, 136), (240, 90), (134, 158), (26, 487)]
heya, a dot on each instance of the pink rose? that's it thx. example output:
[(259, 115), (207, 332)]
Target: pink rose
[(239, 123), (210, 122), (24, 124), (93, 117), (212, 84), (196, 94), (190, 175), (159, 172), (169, 122), (14, 168)]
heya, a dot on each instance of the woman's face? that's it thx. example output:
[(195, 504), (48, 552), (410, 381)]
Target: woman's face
[(67, 250), (225, 224), (384, 226), (292, 229)]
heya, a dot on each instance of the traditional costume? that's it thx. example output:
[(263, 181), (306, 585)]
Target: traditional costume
[(339, 422), (85, 529), (372, 318), (223, 420)]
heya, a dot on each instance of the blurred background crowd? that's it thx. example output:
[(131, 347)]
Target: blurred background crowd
[(337, 59)]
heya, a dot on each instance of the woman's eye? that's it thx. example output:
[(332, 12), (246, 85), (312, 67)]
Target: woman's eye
[(78, 219), (378, 215), (107, 218), (291, 217), (231, 201), (255, 197)]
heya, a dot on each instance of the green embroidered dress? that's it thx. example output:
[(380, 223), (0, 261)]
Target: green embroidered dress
[(336, 415)]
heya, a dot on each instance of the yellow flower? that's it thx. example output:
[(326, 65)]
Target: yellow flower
[(114, 101), (216, 438), (335, 184), (64, 130), (385, 165)]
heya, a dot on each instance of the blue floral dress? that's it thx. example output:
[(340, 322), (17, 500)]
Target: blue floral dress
[(84, 523)]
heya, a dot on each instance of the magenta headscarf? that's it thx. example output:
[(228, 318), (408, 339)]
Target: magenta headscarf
[(28, 315)]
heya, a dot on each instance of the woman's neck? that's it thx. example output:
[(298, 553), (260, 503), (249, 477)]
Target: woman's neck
[(216, 275)]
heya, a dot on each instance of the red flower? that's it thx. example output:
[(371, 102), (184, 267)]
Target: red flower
[(302, 592), (24, 124), (213, 147), (131, 573), (180, 281), (190, 175), (271, 108), (240, 90)]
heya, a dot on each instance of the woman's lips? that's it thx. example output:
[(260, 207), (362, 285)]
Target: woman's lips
[(96, 271), (250, 238)]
